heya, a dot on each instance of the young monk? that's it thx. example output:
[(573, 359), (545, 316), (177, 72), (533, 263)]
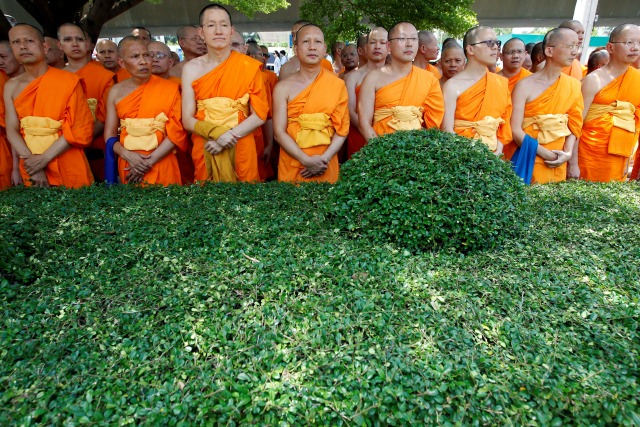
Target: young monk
[(513, 56), (611, 110), (452, 61), (48, 120), (107, 55), (547, 110), (477, 101), (223, 102), (349, 59), (147, 109), (399, 96), (310, 125), (9, 161), (375, 50), (428, 50)]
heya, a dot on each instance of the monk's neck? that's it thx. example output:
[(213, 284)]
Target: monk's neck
[(373, 65), (219, 55), (403, 68), (163, 76), (310, 72), (36, 70), (508, 74), (616, 68), (139, 81), (76, 64), (420, 62), (188, 56), (475, 70)]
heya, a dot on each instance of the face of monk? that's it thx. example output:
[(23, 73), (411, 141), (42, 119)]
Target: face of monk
[(254, 52), (107, 54), (403, 43), (216, 28), (349, 57), (142, 34), (55, 54), (135, 57), (526, 63), (161, 60), (238, 44), (579, 29), (452, 61), (430, 49), (26, 44), (628, 54), (337, 49), (192, 42), (73, 42), (482, 52), (563, 48), (265, 55), (376, 48), (513, 55), (8, 63), (310, 45)]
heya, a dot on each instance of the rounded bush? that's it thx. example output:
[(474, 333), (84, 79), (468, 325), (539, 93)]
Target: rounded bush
[(426, 190)]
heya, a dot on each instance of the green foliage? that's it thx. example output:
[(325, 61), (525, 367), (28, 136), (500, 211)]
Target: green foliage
[(347, 20), (241, 304), (429, 189), (250, 7)]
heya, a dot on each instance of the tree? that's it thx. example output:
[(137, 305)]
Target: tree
[(347, 19)]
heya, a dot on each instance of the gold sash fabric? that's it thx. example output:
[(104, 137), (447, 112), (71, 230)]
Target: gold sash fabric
[(141, 133), (93, 105), (315, 129), (551, 126), (486, 129), (623, 134), (40, 132), (407, 117)]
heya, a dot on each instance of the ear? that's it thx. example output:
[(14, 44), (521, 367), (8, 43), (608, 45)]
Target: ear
[(121, 62)]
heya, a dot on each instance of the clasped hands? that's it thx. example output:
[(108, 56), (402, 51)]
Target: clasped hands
[(226, 140), (139, 165), (314, 166), (34, 165)]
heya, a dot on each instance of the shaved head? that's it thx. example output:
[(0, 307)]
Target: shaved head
[(127, 41), (555, 36), (36, 31), (213, 6), (619, 30), (237, 43)]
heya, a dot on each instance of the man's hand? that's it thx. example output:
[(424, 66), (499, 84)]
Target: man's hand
[(138, 163), (563, 157), (314, 166), (16, 178), (573, 171), (227, 140), (35, 163), (39, 179), (266, 155), (133, 177), (213, 147)]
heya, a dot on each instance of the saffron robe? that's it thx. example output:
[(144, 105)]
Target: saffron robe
[(355, 140), (434, 70), (596, 163), (574, 70), (562, 97), (419, 88), (327, 94), (6, 160), (122, 74), (237, 76), (489, 96), (58, 95), (148, 101), (264, 169), (509, 149)]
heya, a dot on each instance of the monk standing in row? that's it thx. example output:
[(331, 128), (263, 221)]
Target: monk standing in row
[(477, 101), (192, 46), (49, 123), (147, 109), (107, 55), (399, 96), (311, 117), (55, 55), (9, 161), (547, 110), (513, 56), (427, 51), (575, 69), (292, 63), (161, 61), (612, 110), (223, 102), (349, 57), (452, 61)]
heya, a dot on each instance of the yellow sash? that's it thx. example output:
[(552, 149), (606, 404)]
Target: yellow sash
[(220, 115), (486, 129), (141, 133), (405, 117), (93, 104), (40, 132), (551, 126), (623, 134), (315, 129)]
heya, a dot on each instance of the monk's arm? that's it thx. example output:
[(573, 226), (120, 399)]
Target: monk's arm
[(589, 90), (165, 147), (38, 162), (111, 117), (366, 104), (268, 139), (350, 81), (13, 124), (340, 118), (16, 178), (519, 98), (188, 100), (434, 106), (450, 95)]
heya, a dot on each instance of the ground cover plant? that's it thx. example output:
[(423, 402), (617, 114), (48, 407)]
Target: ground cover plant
[(246, 304)]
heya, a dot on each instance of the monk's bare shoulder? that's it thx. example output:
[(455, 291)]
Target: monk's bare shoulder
[(354, 78)]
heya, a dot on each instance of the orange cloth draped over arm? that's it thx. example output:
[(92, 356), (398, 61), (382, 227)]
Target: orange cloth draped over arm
[(434, 70), (355, 140), (58, 95), (562, 97), (574, 70), (596, 163), (327, 94), (420, 89), (489, 96), (237, 76), (6, 160), (148, 101), (326, 64)]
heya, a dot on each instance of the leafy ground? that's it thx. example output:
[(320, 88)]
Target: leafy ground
[(245, 304)]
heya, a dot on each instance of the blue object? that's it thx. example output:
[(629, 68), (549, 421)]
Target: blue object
[(110, 162), (524, 158)]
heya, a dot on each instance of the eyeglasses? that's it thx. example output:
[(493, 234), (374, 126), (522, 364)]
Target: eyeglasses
[(571, 47), (490, 43), (74, 39), (405, 39), (514, 52), (266, 55), (158, 55), (236, 44), (630, 43)]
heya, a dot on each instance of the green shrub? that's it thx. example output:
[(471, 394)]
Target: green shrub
[(426, 190)]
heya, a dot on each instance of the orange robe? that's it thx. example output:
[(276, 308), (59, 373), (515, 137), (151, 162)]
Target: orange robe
[(58, 95), (122, 75), (148, 101), (326, 94), (326, 64), (237, 76), (419, 88), (433, 69), (509, 149), (6, 159), (574, 70), (355, 140), (264, 169), (562, 97), (97, 81), (596, 163), (489, 96)]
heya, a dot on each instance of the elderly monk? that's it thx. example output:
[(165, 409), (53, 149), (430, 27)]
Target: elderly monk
[(161, 61), (361, 45), (575, 70), (47, 116), (452, 61), (428, 50), (537, 58), (238, 44), (292, 63), (477, 101), (399, 96), (349, 59), (142, 33), (147, 110), (192, 45), (611, 110), (223, 102), (310, 126), (107, 55), (597, 60), (9, 161), (376, 52), (97, 82), (55, 55), (547, 110), (513, 56), (336, 52)]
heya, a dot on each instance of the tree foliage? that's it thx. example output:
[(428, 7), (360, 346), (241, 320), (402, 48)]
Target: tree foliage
[(345, 20)]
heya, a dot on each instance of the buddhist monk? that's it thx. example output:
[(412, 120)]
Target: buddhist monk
[(107, 55), (142, 33), (361, 45), (349, 59), (376, 52), (611, 110), (336, 52), (238, 44), (428, 50), (161, 61), (537, 58), (47, 116), (575, 70), (399, 96), (192, 45), (597, 60), (55, 55), (292, 63), (526, 64), (310, 124), (477, 101), (9, 160), (513, 56), (223, 102), (147, 110), (452, 61), (547, 110)]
